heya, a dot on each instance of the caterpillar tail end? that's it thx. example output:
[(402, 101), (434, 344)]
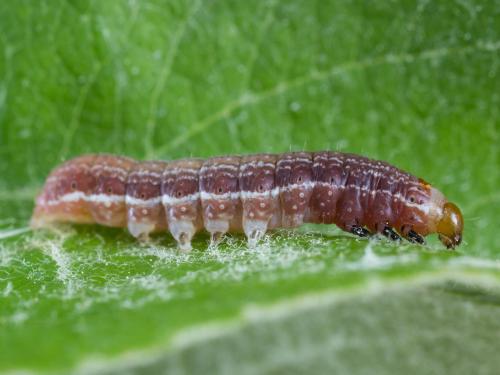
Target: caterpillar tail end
[(41, 217), (37, 220), (51, 209)]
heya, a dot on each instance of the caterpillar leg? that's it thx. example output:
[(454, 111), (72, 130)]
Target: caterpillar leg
[(181, 200), (391, 234), (216, 238), (183, 231), (219, 192), (254, 230), (140, 230), (414, 237), (217, 229), (259, 195), (360, 231)]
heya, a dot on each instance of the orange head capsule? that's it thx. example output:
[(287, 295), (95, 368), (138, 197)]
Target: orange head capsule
[(450, 226), (441, 217)]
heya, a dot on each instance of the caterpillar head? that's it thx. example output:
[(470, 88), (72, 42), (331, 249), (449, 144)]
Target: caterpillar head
[(450, 226), (440, 216)]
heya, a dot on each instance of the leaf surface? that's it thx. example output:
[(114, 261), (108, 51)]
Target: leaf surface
[(414, 83)]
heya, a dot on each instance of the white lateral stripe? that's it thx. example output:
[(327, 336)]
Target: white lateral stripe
[(256, 194), (106, 199), (143, 202), (71, 197), (103, 198), (76, 196), (303, 185), (169, 200), (224, 196)]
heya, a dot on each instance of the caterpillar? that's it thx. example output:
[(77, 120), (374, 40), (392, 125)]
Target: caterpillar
[(248, 193)]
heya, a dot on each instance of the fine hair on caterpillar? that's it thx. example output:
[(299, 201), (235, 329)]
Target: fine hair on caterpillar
[(249, 194)]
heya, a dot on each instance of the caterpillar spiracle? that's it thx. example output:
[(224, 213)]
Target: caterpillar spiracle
[(248, 193)]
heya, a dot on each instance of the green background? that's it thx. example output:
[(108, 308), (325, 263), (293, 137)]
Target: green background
[(415, 83)]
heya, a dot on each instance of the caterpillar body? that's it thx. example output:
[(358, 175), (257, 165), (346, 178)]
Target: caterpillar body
[(249, 193)]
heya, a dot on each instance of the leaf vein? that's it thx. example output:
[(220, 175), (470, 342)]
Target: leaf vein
[(162, 79), (248, 98), (77, 111)]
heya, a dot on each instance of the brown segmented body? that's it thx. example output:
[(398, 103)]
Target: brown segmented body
[(249, 193)]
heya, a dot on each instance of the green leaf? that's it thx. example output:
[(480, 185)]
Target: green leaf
[(414, 83)]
